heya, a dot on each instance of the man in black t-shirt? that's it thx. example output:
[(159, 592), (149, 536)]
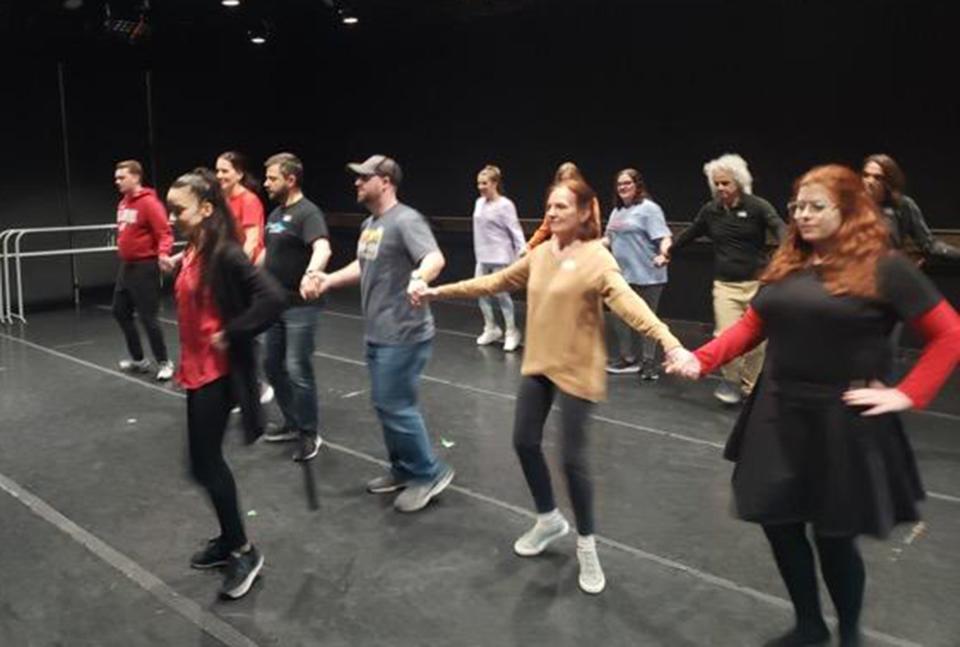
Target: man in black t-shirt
[(298, 246), (737, 223)]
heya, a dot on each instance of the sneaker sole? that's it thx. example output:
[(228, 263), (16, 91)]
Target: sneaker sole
[(279, 439), (386, 490), (725, 399), (542, 546), (245, 585), (623, 371), (438, 487), (592, 590), (207, 567)]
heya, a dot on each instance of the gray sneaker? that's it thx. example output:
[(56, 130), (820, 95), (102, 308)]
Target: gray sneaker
[(534, 541), (165, 371), (727, 393), (417, 495), (591, 579), (385, 484), (134, 365)]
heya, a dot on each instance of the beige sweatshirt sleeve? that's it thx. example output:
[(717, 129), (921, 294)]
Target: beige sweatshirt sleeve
[(624, 302), (509, 279)]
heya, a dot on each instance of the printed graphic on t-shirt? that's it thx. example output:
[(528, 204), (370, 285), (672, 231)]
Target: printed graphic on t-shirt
[(369, 245), (126, 217), (277, 227)]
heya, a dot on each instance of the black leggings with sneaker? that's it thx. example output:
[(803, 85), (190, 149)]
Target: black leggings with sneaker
[(138, 290), (534, 400), (208, 409), (842, 569)]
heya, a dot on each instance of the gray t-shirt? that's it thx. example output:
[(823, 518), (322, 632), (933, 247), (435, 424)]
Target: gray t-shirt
[(391, 246)]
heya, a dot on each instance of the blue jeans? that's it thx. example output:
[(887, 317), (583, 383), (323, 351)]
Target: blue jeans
[(289, 367), (394, 378)]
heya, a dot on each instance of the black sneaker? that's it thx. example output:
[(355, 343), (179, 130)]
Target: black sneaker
[(728, 393), (649, 372), (242, 571), (802, 637), (280, 434), (385, 484), (309, 447), (214, 554), (623, 366)]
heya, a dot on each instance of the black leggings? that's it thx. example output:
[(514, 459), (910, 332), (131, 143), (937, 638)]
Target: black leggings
[(533, 405), (207, 411), (840, 564), (138, 290)]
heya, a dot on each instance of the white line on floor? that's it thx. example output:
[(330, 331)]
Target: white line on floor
[(208, 622), (720, 582), (74, 344), (612, 421)]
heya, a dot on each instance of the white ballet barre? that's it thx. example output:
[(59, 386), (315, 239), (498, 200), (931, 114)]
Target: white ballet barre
[(7, 313)]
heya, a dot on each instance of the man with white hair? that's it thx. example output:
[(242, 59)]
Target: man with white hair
[(737, 222)]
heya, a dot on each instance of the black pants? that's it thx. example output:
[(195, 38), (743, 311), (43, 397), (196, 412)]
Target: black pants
[(138, 290), (207, 411), (840, 564), (533, 405)]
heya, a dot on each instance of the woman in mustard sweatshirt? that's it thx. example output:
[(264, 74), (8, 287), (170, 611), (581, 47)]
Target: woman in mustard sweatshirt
[(568, 279)]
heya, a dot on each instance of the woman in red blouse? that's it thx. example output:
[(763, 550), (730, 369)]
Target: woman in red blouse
[(240, 189), (222, 302), (819, 442)]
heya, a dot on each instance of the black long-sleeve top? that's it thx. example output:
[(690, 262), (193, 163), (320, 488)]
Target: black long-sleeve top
[(739, 235)]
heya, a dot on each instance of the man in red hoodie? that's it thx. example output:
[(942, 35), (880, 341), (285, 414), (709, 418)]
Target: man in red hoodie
[(144, 240)]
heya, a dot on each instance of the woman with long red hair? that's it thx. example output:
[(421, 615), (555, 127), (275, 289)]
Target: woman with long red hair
[(819, 442)]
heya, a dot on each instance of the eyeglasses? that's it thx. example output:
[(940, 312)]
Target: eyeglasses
[(364, 178), (815, 207)]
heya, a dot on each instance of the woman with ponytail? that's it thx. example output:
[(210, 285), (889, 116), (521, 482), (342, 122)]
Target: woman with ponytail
[(222, 303)]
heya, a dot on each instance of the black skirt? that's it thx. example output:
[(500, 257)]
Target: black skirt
[(802, 455)]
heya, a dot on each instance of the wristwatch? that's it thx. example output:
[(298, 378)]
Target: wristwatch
[(416, 276)]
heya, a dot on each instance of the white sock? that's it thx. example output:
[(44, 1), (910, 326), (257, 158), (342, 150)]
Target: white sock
[(586, 542), (549, 518)]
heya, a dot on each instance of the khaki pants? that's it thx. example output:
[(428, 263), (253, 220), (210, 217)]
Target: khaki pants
[(730, 302)]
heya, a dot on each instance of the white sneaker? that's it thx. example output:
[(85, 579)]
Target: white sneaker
[(165, 371), (134, 366), (534, 541), (591, 578), (266, 394), (512, 340), (489, 336)]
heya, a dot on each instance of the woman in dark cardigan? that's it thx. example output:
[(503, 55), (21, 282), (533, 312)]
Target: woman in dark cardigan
[(222, 303)]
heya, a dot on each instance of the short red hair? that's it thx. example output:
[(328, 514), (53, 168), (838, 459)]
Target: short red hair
[(862, 238), (585, 199)]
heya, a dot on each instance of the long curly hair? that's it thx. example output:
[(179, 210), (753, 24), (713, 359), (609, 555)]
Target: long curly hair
[(861, 240)]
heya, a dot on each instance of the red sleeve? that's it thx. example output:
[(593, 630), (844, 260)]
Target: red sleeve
[(252, 215), (940, 327), (158, 223), (736, 340)]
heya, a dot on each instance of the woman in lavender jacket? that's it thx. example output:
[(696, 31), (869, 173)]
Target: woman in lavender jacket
[(497, 242)]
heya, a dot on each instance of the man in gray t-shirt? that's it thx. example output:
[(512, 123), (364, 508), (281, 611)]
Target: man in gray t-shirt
[(391, 247), (396, 253)]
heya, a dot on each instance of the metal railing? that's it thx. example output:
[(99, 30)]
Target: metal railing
[(11, 263)]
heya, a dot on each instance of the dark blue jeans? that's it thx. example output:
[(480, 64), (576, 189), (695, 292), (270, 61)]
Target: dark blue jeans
[(394, 379), (289, 367)]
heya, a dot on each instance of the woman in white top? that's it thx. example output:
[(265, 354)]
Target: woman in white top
[(497, 242)]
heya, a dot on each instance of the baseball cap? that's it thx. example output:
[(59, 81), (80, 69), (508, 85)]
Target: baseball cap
[(378, 165)]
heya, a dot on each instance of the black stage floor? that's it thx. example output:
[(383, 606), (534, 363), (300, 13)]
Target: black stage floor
[(98, 518)]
